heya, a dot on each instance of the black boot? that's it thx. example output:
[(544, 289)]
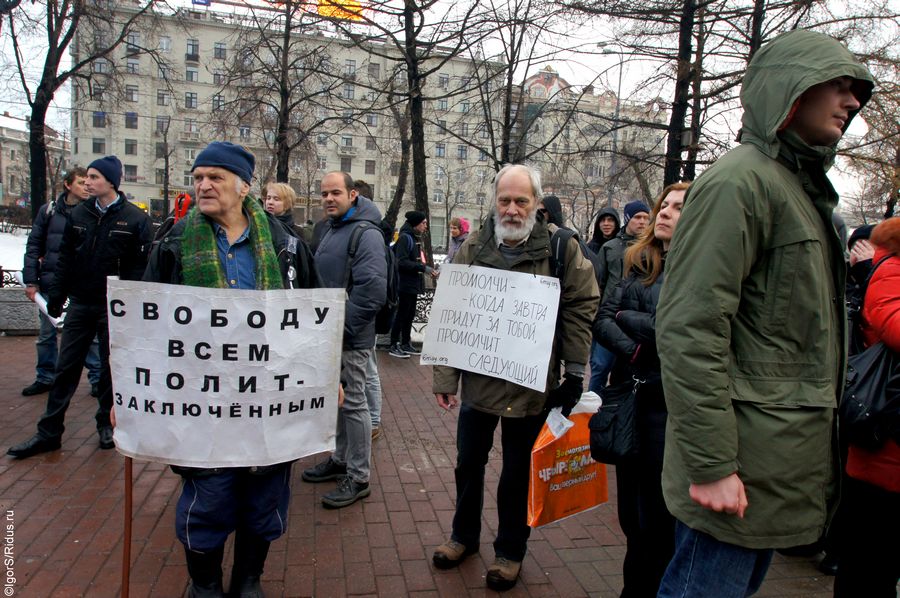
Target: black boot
[(250, 552), (205, 569)]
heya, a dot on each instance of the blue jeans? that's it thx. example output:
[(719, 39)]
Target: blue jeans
[(474, 439), (353, 445), (602, 361), (48, 353), (703, 566), (373, 389)]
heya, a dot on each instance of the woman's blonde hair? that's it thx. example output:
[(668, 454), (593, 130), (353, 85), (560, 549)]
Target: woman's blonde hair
[(645, 255), (284, 191)]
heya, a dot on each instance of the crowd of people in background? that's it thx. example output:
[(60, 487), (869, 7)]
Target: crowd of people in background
[(723, 299)]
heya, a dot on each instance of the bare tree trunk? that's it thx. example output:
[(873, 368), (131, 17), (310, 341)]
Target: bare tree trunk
[(672, 171), (690, 165), (37, 146), (402, 121)]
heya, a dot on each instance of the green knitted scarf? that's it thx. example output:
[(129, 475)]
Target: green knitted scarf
[(200, 263)]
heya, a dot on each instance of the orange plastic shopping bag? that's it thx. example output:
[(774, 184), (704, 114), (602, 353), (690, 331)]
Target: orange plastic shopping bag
[(564, 478)]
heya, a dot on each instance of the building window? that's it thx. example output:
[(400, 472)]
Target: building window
[(163, 72), (482, 156), (190, 154), (372, 120), (321, 138), (219, 77), (349, 67), (440, 150), (322, 163), (99, 119), (438, 175), (370, 166), (160, 150), (190, 99), (188, 179), (244, 132), (218, 102), (464, 106), (462, 152), (443, 81), (131, 93), (160, 176), (165, 43), (485, 134), (346, 141), (193, 48), (162, 124), (163, 98), (460, 197), (463, 129), (374, 70), (131, 120), (349, 91), (192, 74), (395, 168), (130, 173), (480, 198), (347, 116), (191, 126), (101, 66), (219, 50), (133, 66), (346, 164), (98, 146), (370, 143), (442, 104), (438, 196)]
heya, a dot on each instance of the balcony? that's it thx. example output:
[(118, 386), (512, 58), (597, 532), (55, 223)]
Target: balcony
[(189, 136), (346, 150), (192, 57)]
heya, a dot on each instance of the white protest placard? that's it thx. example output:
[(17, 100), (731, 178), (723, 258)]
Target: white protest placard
[(493, 322), (224, 377)]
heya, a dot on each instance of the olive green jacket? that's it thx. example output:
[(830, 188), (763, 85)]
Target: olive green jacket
[(577, 306), (750, 324)]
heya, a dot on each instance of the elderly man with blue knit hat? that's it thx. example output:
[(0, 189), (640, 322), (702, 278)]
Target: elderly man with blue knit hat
[(106, 235), (230, 242)]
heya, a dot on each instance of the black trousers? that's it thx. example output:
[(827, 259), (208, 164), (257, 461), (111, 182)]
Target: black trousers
[(474, 439), (406, 311), (870, 551), (82, 323)]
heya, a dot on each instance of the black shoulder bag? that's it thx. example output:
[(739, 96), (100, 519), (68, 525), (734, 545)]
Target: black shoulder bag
[(613, 429)]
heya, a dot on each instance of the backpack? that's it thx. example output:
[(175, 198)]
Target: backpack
[(385, 316), (559, 240)]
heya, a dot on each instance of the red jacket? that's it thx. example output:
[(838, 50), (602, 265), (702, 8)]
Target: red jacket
[(881, 316)]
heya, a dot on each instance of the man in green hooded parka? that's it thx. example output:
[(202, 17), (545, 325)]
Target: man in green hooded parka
[(751, 326)]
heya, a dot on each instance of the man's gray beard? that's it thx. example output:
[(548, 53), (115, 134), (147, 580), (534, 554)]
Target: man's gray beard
[(511, 234)]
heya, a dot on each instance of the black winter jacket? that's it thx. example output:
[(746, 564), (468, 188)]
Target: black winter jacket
[(97, 245), (44, 241), (611, 258), (597, 238), (409, 261), (298, 271)]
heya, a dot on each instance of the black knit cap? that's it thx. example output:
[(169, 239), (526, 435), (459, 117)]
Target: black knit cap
[(415, 217)]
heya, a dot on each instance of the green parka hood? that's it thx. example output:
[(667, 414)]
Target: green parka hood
[(779, 74)]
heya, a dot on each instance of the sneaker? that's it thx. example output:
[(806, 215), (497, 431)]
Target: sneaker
[(346, 493), (324, 471), (409, 349), (376, 432), (503, 574), (106, 438), (450, 554), (396, 351), (34, 446), (36, 388)]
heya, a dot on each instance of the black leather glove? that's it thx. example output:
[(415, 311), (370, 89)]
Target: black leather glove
[(54, 308), (566, 395)]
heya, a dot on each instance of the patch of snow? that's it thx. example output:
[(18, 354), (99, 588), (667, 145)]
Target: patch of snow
[(12, 249)]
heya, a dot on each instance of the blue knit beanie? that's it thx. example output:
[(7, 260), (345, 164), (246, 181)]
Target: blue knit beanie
[(229, 156), (111, 169), (633, 208)]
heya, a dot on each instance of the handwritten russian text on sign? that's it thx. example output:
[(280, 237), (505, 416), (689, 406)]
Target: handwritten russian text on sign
[(493, 322), (224, 377)]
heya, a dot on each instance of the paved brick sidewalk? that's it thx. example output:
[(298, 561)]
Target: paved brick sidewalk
[(67, 510)]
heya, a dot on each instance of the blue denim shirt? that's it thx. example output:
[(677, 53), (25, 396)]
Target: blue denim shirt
[(237, 259)]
